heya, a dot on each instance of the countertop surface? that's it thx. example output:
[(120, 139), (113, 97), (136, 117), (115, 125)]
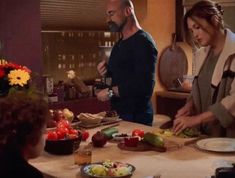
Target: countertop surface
[(173, 94), (184, 162)]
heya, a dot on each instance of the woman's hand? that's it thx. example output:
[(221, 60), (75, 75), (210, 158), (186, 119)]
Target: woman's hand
[(101, 67), (186, 110), (184, 122)]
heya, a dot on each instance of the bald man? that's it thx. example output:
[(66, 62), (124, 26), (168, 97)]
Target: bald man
[(131, 65)]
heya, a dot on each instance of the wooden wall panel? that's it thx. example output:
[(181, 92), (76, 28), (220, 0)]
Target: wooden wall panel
[(20, 32)]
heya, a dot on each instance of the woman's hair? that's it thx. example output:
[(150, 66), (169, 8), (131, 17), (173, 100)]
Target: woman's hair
[(204, 9), (22, 118)]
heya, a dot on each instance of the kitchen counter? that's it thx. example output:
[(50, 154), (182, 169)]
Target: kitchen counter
[(173, 94), (185, 162)]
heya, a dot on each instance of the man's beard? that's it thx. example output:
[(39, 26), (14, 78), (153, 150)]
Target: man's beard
[(114, 27)]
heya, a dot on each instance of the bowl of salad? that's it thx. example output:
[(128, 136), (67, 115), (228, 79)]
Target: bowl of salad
[(108, 169)]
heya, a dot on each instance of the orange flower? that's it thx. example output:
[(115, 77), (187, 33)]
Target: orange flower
[(18, 77)]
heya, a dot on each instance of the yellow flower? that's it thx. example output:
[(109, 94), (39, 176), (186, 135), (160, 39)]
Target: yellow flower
[(18, 77)]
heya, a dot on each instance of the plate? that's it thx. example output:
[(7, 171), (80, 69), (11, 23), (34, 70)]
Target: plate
[(85, 170), (114, 118), (217, 144)]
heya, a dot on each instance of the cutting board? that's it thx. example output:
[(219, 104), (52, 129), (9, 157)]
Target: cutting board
[(144, 146), (140, 147), (173, 64), (185, 141), (181, 141)]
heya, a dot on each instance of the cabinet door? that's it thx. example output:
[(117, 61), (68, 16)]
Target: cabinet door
[(169, 106)]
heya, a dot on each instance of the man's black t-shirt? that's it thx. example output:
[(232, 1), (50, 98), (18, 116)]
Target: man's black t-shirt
[(132, 68)]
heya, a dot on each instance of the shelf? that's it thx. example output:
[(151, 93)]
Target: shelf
[(89, 105)]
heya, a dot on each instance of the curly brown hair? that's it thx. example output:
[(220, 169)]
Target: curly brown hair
[(22, 118), (204, 9)]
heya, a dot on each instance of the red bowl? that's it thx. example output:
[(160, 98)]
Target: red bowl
[(63, 146)]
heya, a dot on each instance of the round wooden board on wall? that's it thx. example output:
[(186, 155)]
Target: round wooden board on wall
[(173, 64)]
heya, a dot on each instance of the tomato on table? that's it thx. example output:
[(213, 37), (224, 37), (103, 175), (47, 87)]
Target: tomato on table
[(85, 135), (138, 132)]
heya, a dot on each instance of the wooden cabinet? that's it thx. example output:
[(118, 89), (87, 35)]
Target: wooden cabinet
[(169, 102)]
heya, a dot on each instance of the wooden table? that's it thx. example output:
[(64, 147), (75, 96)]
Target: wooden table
[(186, 162)]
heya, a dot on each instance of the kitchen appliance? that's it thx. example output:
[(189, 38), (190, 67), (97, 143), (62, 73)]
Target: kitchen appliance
[(224, 172)]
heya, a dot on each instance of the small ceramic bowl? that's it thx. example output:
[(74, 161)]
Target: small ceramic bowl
[(119, 136)]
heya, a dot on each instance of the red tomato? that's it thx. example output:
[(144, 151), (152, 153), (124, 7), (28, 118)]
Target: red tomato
[(64, 123), (73, 132), (138, 132), (60, 134), (85, 135), (52, 135), (63, 131)]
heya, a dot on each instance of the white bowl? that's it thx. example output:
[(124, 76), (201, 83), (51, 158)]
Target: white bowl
[(89, 119), (119, 136)]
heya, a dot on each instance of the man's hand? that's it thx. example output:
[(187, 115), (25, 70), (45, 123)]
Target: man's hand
[(101, 67), (103, 95)]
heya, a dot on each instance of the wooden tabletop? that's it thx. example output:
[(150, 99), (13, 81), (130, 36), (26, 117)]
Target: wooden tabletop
[(185, 162)]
